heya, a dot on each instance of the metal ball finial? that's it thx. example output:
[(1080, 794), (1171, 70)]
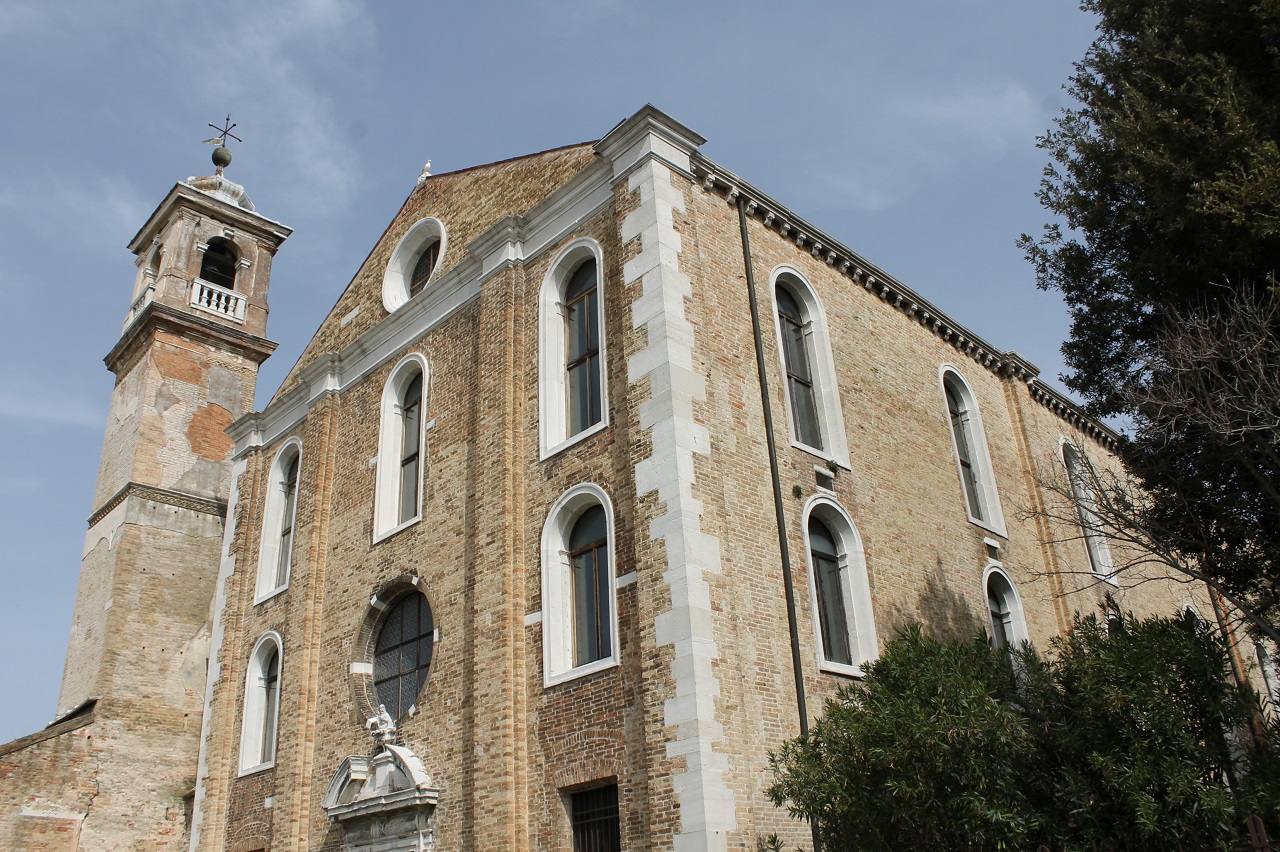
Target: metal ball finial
[(221, 157)]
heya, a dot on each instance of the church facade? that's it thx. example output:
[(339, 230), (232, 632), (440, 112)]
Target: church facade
[(602, 474)]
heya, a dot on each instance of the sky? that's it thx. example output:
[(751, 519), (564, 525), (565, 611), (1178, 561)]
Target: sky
[(904, 128)]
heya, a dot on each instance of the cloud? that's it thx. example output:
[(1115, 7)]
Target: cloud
[(992, 116), (268, 61), (20, 484), (52, 403), (270, 52), (81, 205)]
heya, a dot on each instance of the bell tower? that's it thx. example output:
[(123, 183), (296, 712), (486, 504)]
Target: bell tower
[(186, 367)]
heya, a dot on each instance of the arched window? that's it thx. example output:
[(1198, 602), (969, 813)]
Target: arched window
[(219, 264), (402, 653), (833, 616), (400, 446), (1080, 473), (278, 520), (977, 480), (1004, 611), (261, 715), (582, 347), (840, 589), (572, 398), (589, 561), (422, 269), (410, 444), (580, 622), (812, 397), (795, 359)]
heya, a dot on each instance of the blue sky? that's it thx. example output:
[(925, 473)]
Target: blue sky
[(905, 129)]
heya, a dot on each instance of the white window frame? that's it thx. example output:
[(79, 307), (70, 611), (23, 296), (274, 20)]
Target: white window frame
[(253, 718), (826, 390), (273, 520), (988, 495), (855, 585), (553, 401), (1097, 551), (1017, 616), (557, 585), (386, 509), (396, 279)]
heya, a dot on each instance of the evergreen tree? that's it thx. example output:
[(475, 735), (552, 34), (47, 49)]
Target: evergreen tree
[(1117, 741), (1167, 189)]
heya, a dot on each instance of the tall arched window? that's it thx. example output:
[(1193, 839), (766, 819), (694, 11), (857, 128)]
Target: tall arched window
[(400, 448), (840, 589), (402, 653), (977, 480), (589, 558), (833, 616), (1080, 474), (279, 518), (1004, 611), (218, 266), (580, 619), (582, 347), (410, 444), (261, 715), (796, 358), (572, 396), (804, 347)]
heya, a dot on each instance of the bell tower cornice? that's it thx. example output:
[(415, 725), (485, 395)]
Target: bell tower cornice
[(158, 318), (185, 201)]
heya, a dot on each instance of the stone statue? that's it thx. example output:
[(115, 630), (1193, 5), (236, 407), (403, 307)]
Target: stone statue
[(382, 726)]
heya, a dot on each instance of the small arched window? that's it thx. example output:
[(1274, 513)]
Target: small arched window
[(572, 397), (400, 446), (218, 266), (1080, 474), (580, 623), (804, 346), (977, 480), (1004, 611), (261, 716), (422, 269), (402, 654), (841, 589), (279, 519)]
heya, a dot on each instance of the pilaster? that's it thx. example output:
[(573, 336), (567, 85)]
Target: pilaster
[(651, 153)]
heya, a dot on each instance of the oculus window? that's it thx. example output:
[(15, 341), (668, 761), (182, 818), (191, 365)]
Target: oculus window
[(402, 653)]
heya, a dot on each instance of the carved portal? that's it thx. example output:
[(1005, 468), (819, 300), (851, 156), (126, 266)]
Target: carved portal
[(384, 803)]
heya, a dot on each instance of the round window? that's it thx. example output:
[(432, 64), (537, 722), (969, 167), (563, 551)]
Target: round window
[(402, 653)]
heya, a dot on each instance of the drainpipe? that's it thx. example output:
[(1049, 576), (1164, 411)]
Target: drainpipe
[(785, 554)]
